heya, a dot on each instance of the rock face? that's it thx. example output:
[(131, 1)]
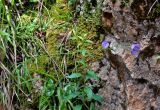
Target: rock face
[(1, 108), (131, 82)]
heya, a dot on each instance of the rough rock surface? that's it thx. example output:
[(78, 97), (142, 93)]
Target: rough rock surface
[(131, 82)]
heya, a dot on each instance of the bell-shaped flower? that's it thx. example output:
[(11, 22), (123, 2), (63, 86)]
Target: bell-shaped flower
[(105, 44), (135, 49)]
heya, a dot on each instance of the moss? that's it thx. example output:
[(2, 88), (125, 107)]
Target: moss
[(37, 65), (61, 17), (52, 41), (157, 11), (25, 19), (61, 22), (87, 25)]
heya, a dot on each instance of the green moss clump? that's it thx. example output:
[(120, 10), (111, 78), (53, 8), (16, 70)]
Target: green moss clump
[(80, 45), (38, 65)]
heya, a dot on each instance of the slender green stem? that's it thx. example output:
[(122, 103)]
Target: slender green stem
[(12, 25)]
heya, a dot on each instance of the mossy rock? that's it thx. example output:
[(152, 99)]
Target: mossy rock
[(38, 65)]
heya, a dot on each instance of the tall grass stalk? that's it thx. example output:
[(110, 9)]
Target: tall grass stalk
[(12, 25)]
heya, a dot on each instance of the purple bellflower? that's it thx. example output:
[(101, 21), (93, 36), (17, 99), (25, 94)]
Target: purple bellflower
[(135, 48), (105, 44)]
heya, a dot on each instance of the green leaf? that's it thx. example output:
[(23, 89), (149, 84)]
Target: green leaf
[(89, 92), (89, 41), (33, 0), (71, 96), (78, 8), (80, 37), (92, 106), (97, 98), (49, 88), (78, 107), (74, 75), (71, 2), (2, 33), (5, 36), (82, 62), (49, 83), (83, 52), (43, 104), (12, 2), (91, 74), (59, 94), (62, 106)]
